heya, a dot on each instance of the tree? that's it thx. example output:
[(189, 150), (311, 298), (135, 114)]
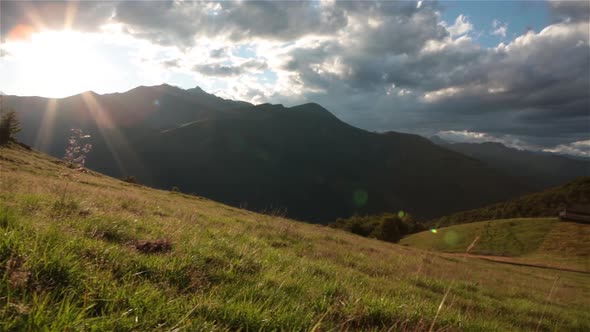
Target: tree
[(9, 126), (389, 228)]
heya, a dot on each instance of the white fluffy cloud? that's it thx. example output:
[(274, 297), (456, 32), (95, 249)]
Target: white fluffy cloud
[(466, 136), (461, 26), (579, 148), (500, 28)]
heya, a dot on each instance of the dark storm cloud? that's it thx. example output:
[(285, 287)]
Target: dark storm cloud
[(536, 86), (280, 20), (161, 22), (180, 23), (571, 10)]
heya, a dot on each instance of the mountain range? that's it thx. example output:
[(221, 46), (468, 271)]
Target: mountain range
[(539, 169), (301, 161)]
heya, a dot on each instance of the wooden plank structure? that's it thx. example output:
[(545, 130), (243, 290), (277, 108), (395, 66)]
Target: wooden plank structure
[(577, 213)]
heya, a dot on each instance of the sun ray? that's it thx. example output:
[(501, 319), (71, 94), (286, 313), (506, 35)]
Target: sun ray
[(33, 16), (70, 15), (116, 142), (45, 134)]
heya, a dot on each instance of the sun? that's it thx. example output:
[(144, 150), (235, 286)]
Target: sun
[(58, 63)]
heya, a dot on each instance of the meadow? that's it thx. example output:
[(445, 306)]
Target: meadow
[(539, 241), (83, 251)]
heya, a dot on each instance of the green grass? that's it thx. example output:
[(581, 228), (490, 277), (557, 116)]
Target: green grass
[(510, 237), (544, 241), (68, 261)]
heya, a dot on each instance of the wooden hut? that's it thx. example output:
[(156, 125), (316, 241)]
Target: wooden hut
[(577, 213)]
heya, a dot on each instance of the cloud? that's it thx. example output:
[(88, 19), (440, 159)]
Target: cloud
[(531, 87), (466, 136), (380, 65), (247, 67), (185, 22), (461, 26), (500, 28), (579, 148), (570, 10), (218, 53), (180, 23), (18, 17)]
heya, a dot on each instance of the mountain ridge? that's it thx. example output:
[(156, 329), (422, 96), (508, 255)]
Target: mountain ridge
[(301, 159), (542, 170)]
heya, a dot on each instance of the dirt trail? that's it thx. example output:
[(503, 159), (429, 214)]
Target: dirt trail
[(516, 261)]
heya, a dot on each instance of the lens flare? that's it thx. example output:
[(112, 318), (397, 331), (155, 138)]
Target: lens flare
[(360, 198), (433, 230), (451, 238), (21, 32)]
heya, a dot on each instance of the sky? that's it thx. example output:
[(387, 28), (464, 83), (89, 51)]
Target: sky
[(515, 72)]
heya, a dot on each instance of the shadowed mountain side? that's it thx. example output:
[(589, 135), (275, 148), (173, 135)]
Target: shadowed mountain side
[(302, 160), (46, 122), (541, 170), (317, 168)]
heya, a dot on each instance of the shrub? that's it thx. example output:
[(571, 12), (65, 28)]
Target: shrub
[(9, 126), (130, 179), (391, 228)]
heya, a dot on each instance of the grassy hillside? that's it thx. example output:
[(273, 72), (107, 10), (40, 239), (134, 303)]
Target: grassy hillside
[(546, 203), (82, 251), (540, 240)]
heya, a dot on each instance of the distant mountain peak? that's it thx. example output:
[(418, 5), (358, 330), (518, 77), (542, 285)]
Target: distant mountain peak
[(196, 89), (315, 109), (314, 106), (270, 106), (166, 87), (88, 92), (437, 140)]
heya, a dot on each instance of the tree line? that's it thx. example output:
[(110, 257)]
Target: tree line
[(388, 227), (547, 203)]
